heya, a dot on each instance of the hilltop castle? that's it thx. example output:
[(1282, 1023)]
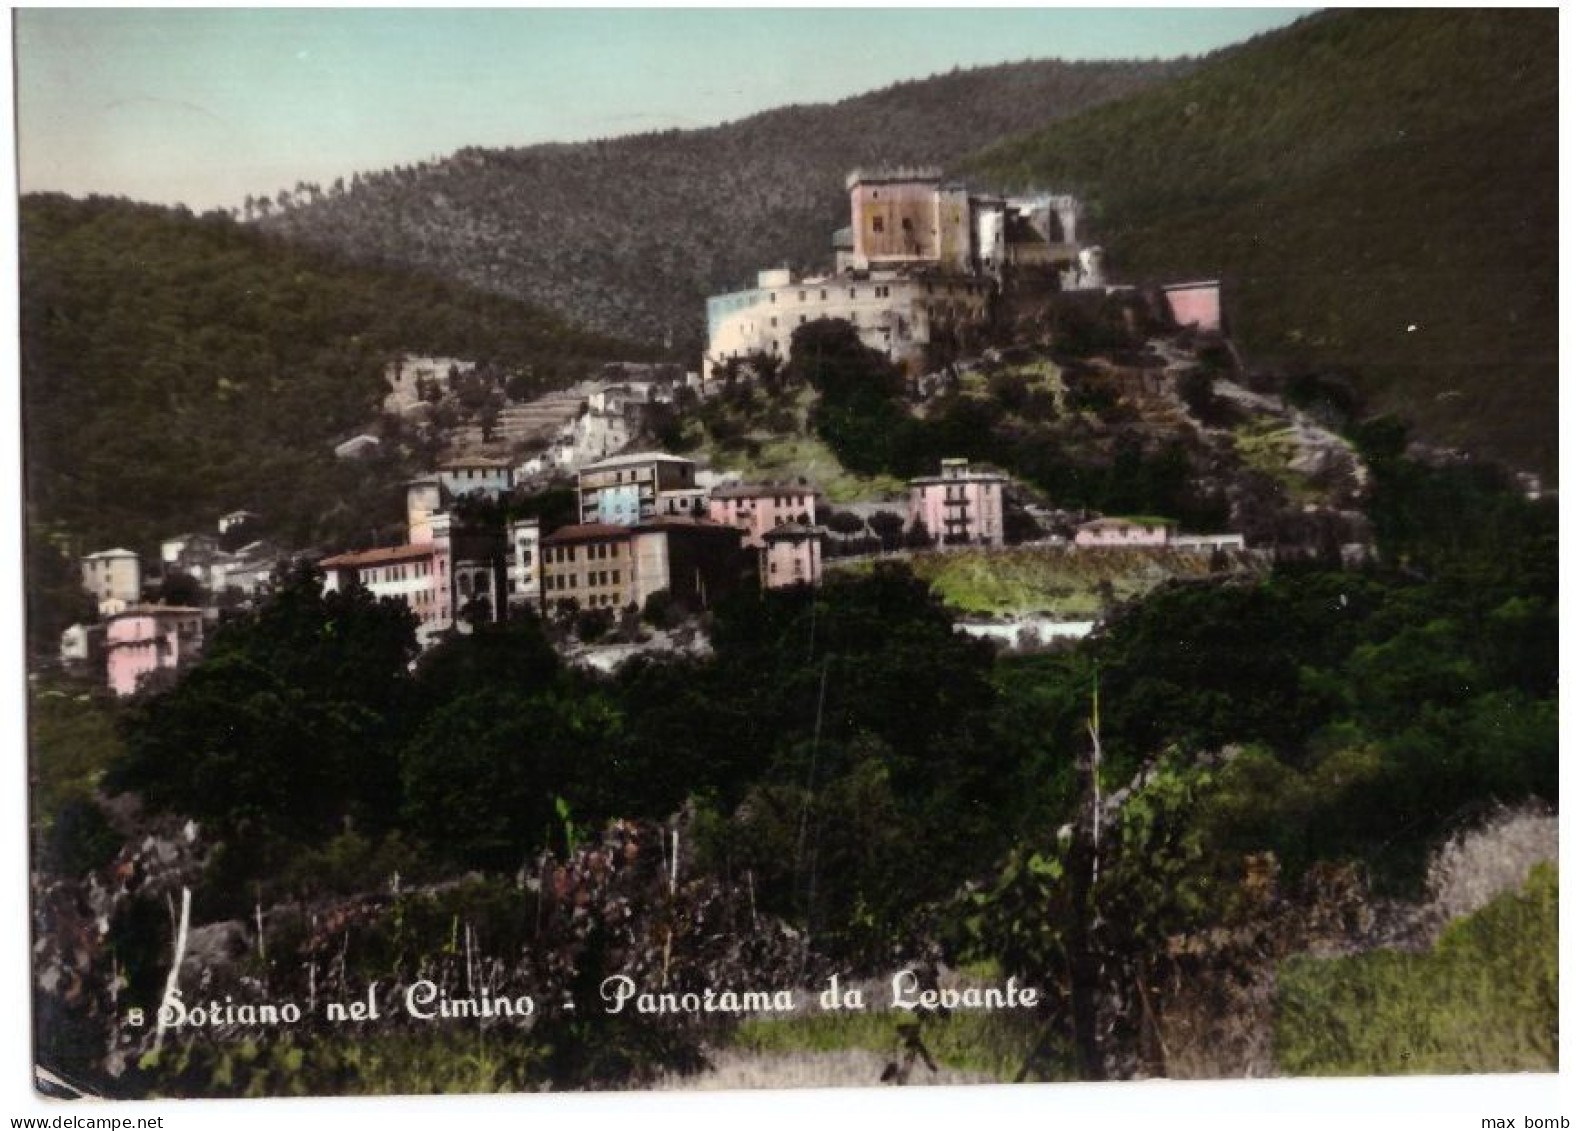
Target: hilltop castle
[(920, 259)]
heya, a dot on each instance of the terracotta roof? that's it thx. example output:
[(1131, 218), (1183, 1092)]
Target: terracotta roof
[(380, 556), (157, 610), (761, 490), (795, 530), (636, 457), (587, 532), (974, 475), (474, 461), (683, 522)]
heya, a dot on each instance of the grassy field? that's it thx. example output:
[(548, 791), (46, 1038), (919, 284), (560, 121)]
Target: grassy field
[(993, 1045), (1484, 999), (795, 456), (1267, 445), (795, 453), (1070, 584)]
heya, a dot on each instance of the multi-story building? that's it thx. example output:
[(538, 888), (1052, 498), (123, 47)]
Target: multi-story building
[(696, 560), (592, 564), (791, 554), (424, 499), (249, 570), (756, 508), (912, 218), (477, 475), (454, 578), (148, 638), (898, 315), (610, 566), (523, 574), (113, 578), (960, 506), (416, 574), (920, 260), (628, 489)]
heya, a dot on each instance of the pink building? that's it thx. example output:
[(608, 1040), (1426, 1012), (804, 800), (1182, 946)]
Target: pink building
[(1196, 304), (148, 638), (1123, 532), (757, 509), (791, 554), (961, 506)]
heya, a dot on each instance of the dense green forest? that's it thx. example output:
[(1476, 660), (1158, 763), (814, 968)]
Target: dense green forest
[(176, 367), (630, 234), (1378, 191)]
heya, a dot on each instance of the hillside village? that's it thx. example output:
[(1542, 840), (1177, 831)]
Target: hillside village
[(921, 272), (1036, 558)]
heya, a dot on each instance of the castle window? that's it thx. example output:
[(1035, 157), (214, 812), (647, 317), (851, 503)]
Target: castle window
[(877, 224)]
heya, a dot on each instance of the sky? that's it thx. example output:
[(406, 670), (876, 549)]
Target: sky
[(205, 106)]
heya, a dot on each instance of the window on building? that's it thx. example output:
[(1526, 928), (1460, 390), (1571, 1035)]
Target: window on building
[(877, 225)]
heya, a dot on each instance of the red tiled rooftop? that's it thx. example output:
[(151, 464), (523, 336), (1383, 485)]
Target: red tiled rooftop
[(381, 556), (587, 532)]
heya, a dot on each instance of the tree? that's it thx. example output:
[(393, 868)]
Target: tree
[(661, 610), (844, 522), (178, 588), (594, 624), (481, 776), (285, 722), (889, 527)]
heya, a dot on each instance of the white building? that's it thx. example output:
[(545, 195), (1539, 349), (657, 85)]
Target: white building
[(113, 578), (524, 570), (477, 475), (893, 313)]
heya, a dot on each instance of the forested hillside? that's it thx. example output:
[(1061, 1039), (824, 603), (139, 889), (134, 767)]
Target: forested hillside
[(1378, 191), (174, 368), (629, 235)]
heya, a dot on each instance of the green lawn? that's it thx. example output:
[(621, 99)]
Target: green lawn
[(1484, 999), (1072, 584), (995, 1043)]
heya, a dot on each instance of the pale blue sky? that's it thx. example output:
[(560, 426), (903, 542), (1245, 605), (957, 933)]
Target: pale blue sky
[(203, 107)]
